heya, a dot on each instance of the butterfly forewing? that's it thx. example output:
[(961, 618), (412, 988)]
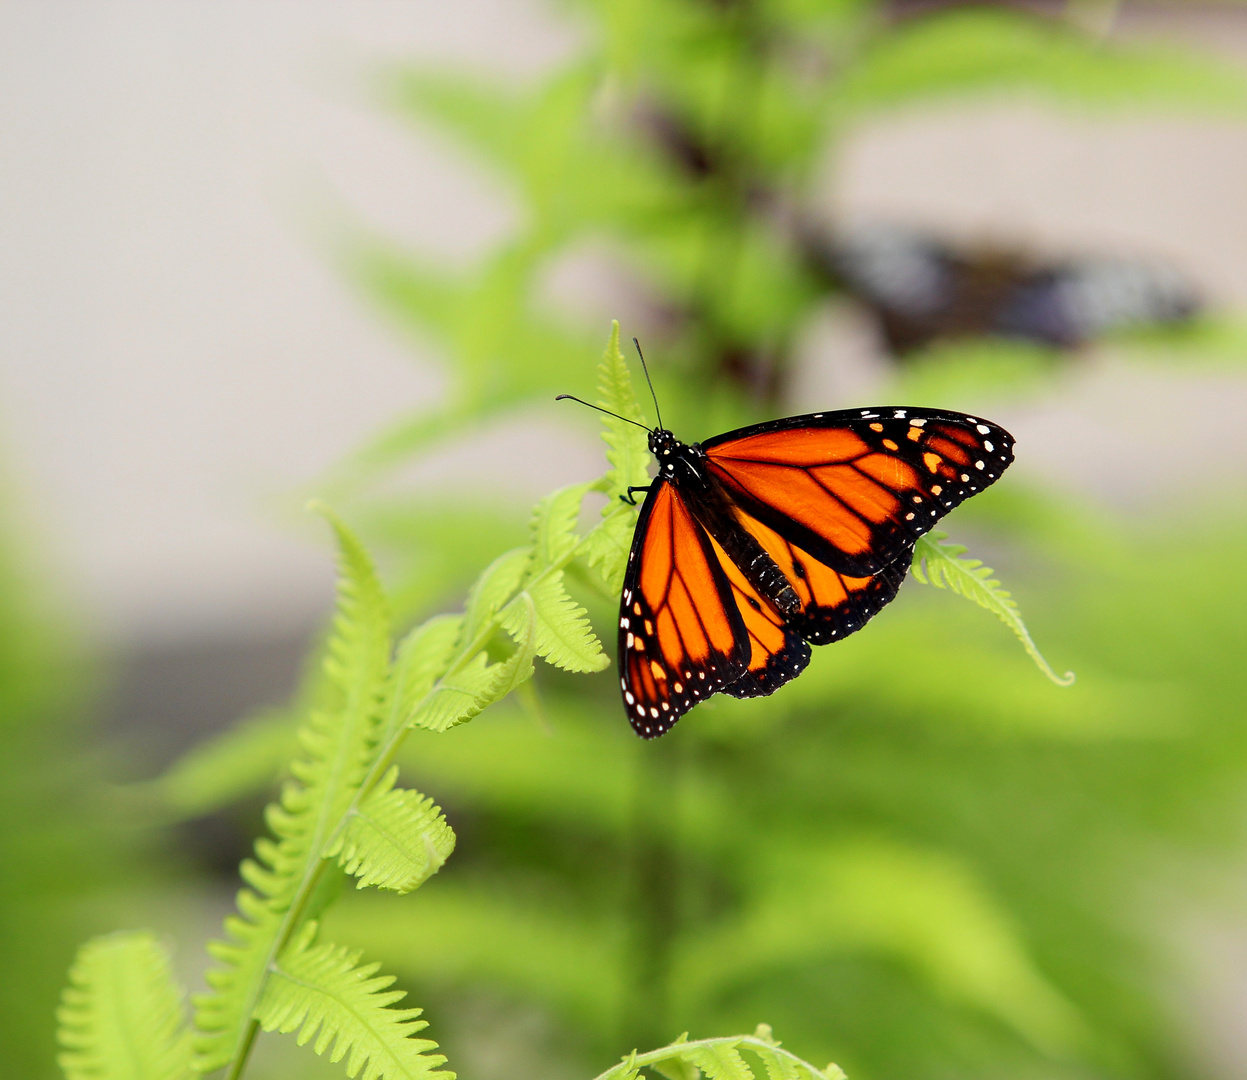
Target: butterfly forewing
[(855, 488), (681, 634)]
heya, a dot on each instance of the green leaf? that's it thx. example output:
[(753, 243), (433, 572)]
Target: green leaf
[(555, 955), (518, 668), (973, 50), (627, 449), (606, 547), (465, 691), (337, 742), (564, 636), (925, 909), (721, 1061), (324, 993), (720, 1058), (496, 585), (423, 657), (395, 839), (122, 1017), (554, 525), (940, 564), (458, 696), (627, 446), (677, 1067)]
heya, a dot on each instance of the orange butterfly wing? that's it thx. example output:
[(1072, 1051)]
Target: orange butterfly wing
[(777, 650), (836, 500), (855, 489), (681, 634)]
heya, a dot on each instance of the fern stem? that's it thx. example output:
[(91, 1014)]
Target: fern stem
[(747, 1042), (326, 836)]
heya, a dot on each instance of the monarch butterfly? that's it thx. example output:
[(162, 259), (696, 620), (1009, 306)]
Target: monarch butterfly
[(755, 544)]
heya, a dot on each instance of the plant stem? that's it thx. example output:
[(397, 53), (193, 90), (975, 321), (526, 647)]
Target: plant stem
[(325, 836)]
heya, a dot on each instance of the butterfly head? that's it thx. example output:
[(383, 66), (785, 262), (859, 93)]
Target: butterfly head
[(663, 445)]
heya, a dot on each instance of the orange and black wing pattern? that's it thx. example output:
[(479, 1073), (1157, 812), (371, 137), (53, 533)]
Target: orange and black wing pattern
[(833, 605), (779, 536), (778, 650), (855, 488), (681, 633)]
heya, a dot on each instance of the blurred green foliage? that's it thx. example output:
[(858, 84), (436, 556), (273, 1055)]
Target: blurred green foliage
[(920, 857), (58, 852)]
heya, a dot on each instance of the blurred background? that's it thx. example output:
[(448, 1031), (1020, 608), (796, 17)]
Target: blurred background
[(258, 251)]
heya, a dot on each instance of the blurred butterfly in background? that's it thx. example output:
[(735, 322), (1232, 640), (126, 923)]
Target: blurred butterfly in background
[(758, 543), (923, 290)]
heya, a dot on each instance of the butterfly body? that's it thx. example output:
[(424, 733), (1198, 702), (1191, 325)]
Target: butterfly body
[(759, 542)]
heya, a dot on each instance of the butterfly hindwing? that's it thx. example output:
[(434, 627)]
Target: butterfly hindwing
[(681, 635), (777, 650), (833, 605), (855, 488)]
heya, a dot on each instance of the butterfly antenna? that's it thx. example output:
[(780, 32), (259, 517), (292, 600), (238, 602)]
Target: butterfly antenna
[(572, 397), (647, 379)]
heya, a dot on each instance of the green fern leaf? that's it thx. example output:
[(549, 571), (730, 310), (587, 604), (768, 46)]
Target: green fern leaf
[(515, 672), (941, 565), (461, 694), (324, 993), (464, 692), (395, 839), (554, 525), (721, 1058), (677, 1068), (606, 548), (337, 743), (564, 636), (721, 1061), (627, 447), (121, 1017), (423, 657), (496, 585)]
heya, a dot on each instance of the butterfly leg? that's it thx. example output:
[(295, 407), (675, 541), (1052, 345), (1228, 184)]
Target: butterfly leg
[(630, 498)]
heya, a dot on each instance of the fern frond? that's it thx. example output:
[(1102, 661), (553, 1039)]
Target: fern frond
[(554, 524), (606, 547), (423, 657), (720, 1059), (394, 839), (122, 1017), (939, 564), (564, 636), (461, 694), (781, 1065), (496, 585), (337, 744), (515, 671), (324, 993), (627, 448)]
